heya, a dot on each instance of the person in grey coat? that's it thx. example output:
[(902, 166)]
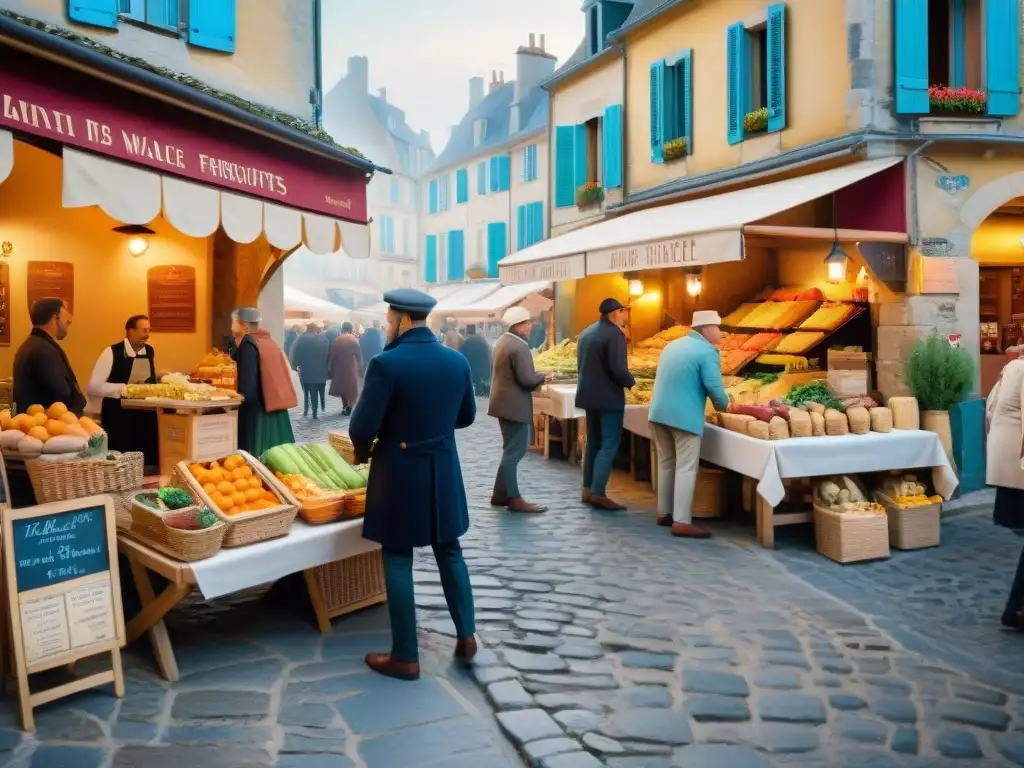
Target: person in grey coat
[(309, 357), (513, 380)]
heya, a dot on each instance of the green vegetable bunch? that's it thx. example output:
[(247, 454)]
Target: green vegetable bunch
[(938, 374), (813, 392), (174, 498)]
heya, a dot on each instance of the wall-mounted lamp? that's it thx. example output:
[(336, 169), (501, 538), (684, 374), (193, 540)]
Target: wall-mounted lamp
[(836, 259), (636, 284), (138, 237), (693, 284)]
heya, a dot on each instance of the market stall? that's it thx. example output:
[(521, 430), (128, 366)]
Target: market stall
[(300, 305)]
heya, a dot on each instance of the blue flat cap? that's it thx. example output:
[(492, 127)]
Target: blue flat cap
[(409, 300)]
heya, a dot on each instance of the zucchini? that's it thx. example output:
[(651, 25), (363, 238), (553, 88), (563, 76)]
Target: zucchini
[(325, 474), (310, 468), (342, 468), (277, 459)]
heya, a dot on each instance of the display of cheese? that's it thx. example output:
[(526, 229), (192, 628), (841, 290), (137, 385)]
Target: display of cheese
[(734, 318), (828, 317), (795, 343), (905, 413), (792, 363), (53, 431), (761, 342), (733, 360), (732, 341), (881, 419), (219, 370), (662, 339), (176, 386)]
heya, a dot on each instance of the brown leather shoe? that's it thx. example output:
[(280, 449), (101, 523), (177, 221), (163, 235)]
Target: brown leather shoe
[(664, 520), (689, 531), (498, 501), (586, 496), (519, 504), (603, 502), (383, 664), (465, 648)]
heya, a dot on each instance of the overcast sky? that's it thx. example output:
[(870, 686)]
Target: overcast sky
[(424, 51)]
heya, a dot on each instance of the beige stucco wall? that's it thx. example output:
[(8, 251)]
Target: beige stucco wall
[(817, 80), (273, 63), (575, 101)]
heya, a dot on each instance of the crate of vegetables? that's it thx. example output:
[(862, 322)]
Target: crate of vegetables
[(318, 462), (317, 505), (242, 493), (170, 520)]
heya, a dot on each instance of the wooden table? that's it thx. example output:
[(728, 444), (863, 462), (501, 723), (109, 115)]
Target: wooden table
[(192, 431), (322, 583)]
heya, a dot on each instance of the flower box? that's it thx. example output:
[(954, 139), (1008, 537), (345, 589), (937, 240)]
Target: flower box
[(589, 194), (674, 149), (956, 101), (756, 121)]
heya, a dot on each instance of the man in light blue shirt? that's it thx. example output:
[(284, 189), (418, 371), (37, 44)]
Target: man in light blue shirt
[(689, 372)]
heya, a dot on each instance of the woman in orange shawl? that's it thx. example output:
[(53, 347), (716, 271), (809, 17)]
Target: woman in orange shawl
[(265, 381)]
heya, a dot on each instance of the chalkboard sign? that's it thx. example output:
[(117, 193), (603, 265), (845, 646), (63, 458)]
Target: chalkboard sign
[(63, 593), (61, 547)]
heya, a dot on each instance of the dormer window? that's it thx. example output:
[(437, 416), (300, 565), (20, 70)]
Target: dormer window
[(603, 18), (478, 132)]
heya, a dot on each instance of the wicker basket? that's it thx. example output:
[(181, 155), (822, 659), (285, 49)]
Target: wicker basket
[(123, 507), (914, 528), (353, 583), (850, 538), (246, 527), (708, 496), (343, 445), (320, 511), (77, 478), (355, 504), (188, 546)]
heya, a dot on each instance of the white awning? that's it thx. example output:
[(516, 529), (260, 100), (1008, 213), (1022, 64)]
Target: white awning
[(467, 295), (690, 233), (133, 195), (492, 306), (321, 309), (440, 292)]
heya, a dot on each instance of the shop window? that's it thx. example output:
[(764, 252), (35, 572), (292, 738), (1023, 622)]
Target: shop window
[(756, 75), (671, 107)]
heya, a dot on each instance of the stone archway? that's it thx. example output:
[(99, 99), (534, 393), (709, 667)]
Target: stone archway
[(988, 198)]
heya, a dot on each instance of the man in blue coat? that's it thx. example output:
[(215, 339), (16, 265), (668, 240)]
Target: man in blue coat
[(417, 393), (689, 372)]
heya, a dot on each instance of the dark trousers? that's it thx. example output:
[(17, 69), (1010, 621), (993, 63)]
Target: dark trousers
[(402, 601), (1015, 604), (515, 439), (604, 431), (315, 393)]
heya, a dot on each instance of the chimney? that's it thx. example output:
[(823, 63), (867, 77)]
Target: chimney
[(533, 65), (359, 73), (383, 93), (476, 91), (497, 80)]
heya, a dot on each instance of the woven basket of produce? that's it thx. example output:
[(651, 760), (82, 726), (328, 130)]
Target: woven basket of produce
[(852, 536), (341, 442), (915, 518), (264, 510), (350, 584), (317, 505), (170, 521), (78, 478), (708, 496), (355, 504)]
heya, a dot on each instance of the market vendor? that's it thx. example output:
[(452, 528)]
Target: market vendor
[(42, 371)]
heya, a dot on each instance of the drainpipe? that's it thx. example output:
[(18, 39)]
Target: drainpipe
[(625, 124), (318, 63), (913, 233)]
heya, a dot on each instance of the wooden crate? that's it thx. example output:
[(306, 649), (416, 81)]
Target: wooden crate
[(851, 538), (913, 528), (195, 436)]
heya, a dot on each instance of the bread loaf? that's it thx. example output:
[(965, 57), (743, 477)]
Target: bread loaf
[(881, 419), (859, 419), (905, 413), (758, 429), (817, 425), (778, 429), (815, 407), (736, 422), (836, 423), (799, 423)]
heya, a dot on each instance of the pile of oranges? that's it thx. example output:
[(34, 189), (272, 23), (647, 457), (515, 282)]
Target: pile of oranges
[(232, 486)]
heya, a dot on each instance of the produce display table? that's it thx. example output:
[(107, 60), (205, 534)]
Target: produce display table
[(192, 431), (771, 461), (558, 401), (332, 558)]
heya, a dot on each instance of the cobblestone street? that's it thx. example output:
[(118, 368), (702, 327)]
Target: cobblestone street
[(606, 643)]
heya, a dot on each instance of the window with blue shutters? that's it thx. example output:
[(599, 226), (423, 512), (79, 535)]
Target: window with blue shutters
[(671, 107), (95, 13), (584, 150), (443, 200), (1002, 56), (386, 225), (565, 188), (529, 164), (430, 260), (756, 76), (211, 24), (456, 255), (155, 13), (529, 224), (500, 175), (432, 202), (497, 246), (462, 185), (481, 177)]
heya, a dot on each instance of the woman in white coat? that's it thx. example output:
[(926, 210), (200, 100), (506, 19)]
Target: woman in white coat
[(1005, 472)]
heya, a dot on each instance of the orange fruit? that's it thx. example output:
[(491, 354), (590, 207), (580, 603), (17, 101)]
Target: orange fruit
[(196, 469), (239, 498), (32, 410), (255, 482), (226, 503), (253, 494), (225, 488), (209, 489), (55, 427), (213, 465), (241, 484), (231, 462), (40, 419), (246, 470), (69, 418), (270, 496), (237, 474), (39, 434), (56, 410)]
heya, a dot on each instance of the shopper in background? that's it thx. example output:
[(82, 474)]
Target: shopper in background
[(1004, 470), (290, 335), (371, 342), (42, 371), (478, 352), (604, 378), (417, 394), (346, 368), (689, 372), (309, 357), (451, 337), (265, 381), (332, 332), (513, 380)]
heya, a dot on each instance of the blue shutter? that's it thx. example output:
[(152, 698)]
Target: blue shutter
[(535, 222), (521, 228), (430, 260), (911, 34), (95, 13), (496, 241), (579, 173), (504, 173), (456, 255), (462, 185), (736, 106), (396, 192), (1002, 56), (382, 232), (534, 171), (685, 94), (211, 24), (776, 98), (432, 197), (162, 13), (493, 171), (481, 177), (565, 192), (612, 145), (657, 110)]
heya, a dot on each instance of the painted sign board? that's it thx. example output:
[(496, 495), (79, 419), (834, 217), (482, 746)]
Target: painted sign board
[(687, 251), (550, 270)]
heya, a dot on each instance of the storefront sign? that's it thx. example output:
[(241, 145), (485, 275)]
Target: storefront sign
[(939, 275), (552, 270), (45, 100), (693, 250), (51, 279), (172, 299)]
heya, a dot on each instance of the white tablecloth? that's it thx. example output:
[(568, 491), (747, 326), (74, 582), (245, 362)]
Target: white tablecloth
[(560, 401), (307, 546), (635, 420), (769, 461)]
